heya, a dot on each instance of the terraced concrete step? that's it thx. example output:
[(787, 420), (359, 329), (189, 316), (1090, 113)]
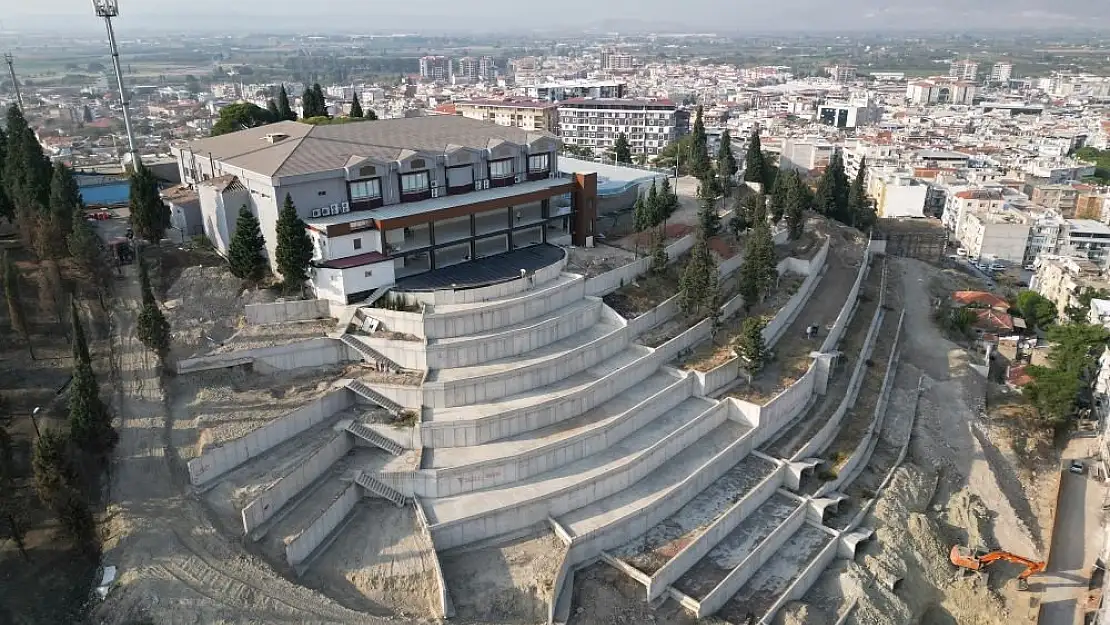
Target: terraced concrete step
[(564, 280), (534, 359), (655, 486), (479, 337), (571, 477), (735, 547), (536, 397), (562, 433)]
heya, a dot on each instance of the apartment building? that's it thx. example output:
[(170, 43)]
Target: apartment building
[(435, 68), (964, 70), (515, 112), (898, 195), (1002, 72), (806, 154), (1059, 197), (842, 74), (391, 199), (958, 204), (995, 234), (1062, 279), (568, 89), (615, 61), (941, 91), (849, 115), (595, 123)]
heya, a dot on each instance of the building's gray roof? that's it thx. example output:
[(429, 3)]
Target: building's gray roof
[(309, 149)]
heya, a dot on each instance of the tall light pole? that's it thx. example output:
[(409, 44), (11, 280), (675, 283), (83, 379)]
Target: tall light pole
[(108, 9), (15, 83)]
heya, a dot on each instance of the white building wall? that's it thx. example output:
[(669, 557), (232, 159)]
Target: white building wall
[(903, 201)]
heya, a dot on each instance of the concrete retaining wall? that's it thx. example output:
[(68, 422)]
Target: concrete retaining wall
[(488, 388), (399, 320), (784, 407), (729, 265), (612, 280), (274, 498), (284, 312), (515, 421), (661, 313), (700, 547), (517, 516), (719, 377), (813, 269), (216, 461), (451, 481), (696, 334), (486, 293), (411, 397), (824, 436), (859, 456), (636, 523), (311, 353), (513, 342), (301, 546), (562, 575), (735, 580), (504, 312), (842, 319), (411, 355), (446, 608), (801, 585)]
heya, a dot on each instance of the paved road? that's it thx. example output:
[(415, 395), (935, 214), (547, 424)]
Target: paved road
[(1076, 542)]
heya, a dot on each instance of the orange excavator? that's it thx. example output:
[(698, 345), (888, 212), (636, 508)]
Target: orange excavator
[(965, 557)]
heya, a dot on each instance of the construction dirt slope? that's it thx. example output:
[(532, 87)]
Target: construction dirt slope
[(961, 483)]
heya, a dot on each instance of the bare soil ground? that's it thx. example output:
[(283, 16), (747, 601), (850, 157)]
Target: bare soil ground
[(509, 582), (594, 261), (791, 353), (378, 565), (605, 596), (213, 407)]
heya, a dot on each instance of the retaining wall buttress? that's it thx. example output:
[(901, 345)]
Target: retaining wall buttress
[(301, 546), (801, 585), (286, 312)]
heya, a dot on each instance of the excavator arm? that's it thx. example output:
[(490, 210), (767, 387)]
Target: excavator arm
[(966, 558)]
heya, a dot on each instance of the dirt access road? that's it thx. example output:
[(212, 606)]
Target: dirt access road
[(175, 566), (1076, 541)]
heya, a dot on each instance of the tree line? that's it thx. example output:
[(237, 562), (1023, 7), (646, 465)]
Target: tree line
[(243, 115)]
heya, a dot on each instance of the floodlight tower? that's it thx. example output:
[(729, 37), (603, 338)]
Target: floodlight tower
[(108, 9), (15, 83)]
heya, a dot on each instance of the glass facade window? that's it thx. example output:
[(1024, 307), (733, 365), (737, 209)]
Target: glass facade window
[(416, 182), (501, 169), (366, 189), (538, 162)]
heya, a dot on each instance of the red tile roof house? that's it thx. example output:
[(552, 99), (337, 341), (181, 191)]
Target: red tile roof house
[(979, 299)]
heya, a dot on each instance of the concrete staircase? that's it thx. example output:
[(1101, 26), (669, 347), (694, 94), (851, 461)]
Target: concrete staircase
[(371, 484), (370, 436), (370, 353), (370, 394)]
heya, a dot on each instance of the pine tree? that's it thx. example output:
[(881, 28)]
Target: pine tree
[(832, 191), (151, 327), (639, 215), (272, 109), (758, 272), (750, 345), (294, 248), (699, 165), (27, 171), (726, 160), (861, 209), (319, 101), (709, 221), (16, 313), (309, 106), (698, 284), (65, 197), (797, 198), (149, 216), (755, 168), (756, 206), (741, 219), (90, 423), (88, 254), (356, 107), (246, 254), (7, 210), (622, 152), (53, 467), (668, 202)]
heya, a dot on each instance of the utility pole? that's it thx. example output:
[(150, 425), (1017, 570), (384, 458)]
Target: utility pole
[(15, 83), (108, 9)]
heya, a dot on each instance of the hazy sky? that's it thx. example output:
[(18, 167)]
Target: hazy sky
[(490, 15)]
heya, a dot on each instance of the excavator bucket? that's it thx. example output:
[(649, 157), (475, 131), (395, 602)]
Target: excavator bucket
[(965, 558)]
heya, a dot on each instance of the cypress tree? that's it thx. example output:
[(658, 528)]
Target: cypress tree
[(640, 217), (755, 168), (654, 206), (52, 466), (308, 103), (698, 284), (27, 171), (246, 253), (284, 110), (741, 217), (709, 222), (66, 206), (152, 328), (294, 248), (7, 211), (16, 313), (779, 192), (832, 191), (726, 160), (797, 198), (88, 254), (861, 209), (699, 149), (149, 216), (622, 152), (758, 271), (659, 256), (356, 107), (90, 423), (668, 199), (319, 101), (272, 109)]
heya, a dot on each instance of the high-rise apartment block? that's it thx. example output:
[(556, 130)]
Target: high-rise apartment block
[(437, 68), (964, 70), (595, 123), (1002, 72)]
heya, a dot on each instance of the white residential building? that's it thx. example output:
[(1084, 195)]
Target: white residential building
[(596, 123)]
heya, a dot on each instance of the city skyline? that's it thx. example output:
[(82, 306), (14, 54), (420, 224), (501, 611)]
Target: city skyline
[(631, 15)]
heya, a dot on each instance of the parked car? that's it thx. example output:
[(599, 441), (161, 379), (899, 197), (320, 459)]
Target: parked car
[(1076, 467), (961, 252), (997, 267)]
